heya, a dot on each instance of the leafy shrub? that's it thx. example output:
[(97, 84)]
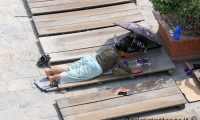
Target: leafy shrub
[(186, 12)]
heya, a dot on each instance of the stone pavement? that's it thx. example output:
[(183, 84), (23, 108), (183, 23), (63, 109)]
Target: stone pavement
[(20, 99)]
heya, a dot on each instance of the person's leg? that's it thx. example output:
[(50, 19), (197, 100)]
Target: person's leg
[(55, 70), (54, 78), (190, 66)]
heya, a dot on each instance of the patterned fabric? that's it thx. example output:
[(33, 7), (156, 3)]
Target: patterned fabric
[(109, 57), (84, 69)]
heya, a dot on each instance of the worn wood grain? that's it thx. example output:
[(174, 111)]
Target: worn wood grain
[(133, 108), (82, 13), (78, 40), (55, 6), (88, 25), (118, 101), (84, 19)]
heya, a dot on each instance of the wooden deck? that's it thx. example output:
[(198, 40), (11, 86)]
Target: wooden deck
[(147, 96)]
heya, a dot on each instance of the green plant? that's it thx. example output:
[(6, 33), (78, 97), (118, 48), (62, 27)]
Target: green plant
[(186, 12)]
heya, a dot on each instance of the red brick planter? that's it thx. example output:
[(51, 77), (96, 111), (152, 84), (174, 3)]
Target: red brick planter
[(187, 48)]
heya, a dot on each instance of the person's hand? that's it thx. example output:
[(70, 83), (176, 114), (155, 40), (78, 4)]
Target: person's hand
[(127, 55), (136, 71)]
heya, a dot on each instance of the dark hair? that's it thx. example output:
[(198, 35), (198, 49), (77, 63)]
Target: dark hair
[(121, 47)]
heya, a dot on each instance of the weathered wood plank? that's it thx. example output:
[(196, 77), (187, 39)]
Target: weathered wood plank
[(82, 13), (86, 98), (73, 3), (38, 8), (84, 19), (133, 108), (118, 101), (78, 40), (103, 95), (88, 25)]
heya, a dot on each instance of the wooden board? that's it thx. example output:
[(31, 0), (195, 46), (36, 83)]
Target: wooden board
[(86, 19), (156, 57), (50, 6), (82, 40), (106, 106), (197, 74)]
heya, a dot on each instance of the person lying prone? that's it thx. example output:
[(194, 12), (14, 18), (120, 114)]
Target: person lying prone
[(91, 66)]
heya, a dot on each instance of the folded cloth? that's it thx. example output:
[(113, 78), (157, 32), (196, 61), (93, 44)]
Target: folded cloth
[(121, 91), (84, 69)]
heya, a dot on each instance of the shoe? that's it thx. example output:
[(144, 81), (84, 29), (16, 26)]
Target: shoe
[(45, 60)]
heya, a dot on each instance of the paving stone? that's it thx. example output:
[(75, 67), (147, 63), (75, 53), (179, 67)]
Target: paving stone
[(14, 114), (8, 100), (3, 87), (55, 118), (19, 84), (10, 30), (6, 19), (51, 97), (29, 97), (6, 76), (41, 111)]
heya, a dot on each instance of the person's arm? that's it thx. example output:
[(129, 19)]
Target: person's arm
[(121, 64)]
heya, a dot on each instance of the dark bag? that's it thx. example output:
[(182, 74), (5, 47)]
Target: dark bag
[(135, 44)]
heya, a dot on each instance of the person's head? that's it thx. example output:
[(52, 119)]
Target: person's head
[(121, 48)]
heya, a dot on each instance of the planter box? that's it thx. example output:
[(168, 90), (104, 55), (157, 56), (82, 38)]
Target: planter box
[(187, 48)]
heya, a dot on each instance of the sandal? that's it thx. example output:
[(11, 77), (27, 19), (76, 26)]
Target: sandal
[(45, 59)]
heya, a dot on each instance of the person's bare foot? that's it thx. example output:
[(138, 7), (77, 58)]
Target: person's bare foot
[(51, 79), (190, 66), (48, 72)]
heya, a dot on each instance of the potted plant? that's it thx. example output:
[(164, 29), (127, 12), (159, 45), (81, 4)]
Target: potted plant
[(184, 13)]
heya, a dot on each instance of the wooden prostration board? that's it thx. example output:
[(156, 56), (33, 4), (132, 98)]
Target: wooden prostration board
[(156, 57), (190, 88), (50, 6), (86, 19), (144, 97)]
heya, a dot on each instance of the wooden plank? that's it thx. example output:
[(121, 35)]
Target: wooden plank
[(84, 19), (77, 40), (118, 101), (133, 108), (39, 8), (88, 25), (73, 3), (82, 13), (107, 94), (86, 98), (30, 1)]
